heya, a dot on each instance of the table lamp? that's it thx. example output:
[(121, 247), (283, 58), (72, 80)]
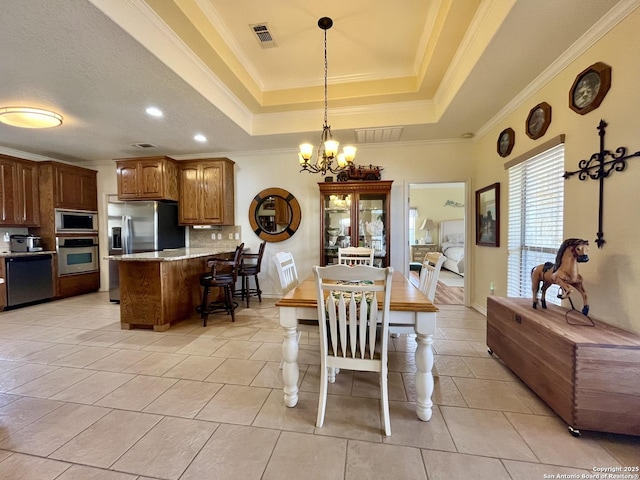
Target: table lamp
[(427, 225)]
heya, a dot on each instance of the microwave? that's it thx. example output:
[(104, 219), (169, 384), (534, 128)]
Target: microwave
[(76, 221)]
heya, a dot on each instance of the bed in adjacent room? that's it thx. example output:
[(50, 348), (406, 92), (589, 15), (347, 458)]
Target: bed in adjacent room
[(452, 245)]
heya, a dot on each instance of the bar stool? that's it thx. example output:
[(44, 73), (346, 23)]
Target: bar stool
[(223, 274), (250, 267)]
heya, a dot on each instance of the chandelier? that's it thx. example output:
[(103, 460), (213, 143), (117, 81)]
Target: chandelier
[(328, 148)]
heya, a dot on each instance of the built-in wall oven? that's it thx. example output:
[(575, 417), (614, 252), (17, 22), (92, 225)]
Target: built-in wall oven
[(77, 255), (76, 221)]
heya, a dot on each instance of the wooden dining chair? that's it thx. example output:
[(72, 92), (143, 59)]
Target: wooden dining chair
[(355, 256), (429, 274), (250, 264), (353, 312)]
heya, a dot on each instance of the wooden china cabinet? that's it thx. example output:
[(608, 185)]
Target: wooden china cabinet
[(355, 214)]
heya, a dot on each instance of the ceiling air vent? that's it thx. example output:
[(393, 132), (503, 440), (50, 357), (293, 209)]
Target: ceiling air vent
[(263, 35), (378, 135), (144, 145)]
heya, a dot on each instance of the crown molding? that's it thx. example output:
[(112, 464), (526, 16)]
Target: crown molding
[(26, 155)]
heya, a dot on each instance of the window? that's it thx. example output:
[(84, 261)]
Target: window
[(413, 214), (536, 206)]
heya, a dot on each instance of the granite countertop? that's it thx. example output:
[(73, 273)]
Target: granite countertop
[(26, 254), (170, 255)]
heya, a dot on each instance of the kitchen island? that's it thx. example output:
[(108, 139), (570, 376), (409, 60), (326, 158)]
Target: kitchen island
[(159, 288)]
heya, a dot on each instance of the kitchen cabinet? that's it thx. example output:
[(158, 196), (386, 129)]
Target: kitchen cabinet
[(67, 186), (76, 188), (63, 186), (207, 192), (147, 178), (72, 285), (355, 214), (282, 210), (19, 195)]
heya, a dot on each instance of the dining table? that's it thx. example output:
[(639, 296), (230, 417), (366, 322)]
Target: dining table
[(410, 312)]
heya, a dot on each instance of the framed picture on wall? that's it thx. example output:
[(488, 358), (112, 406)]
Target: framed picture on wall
[(589, 88), (488, 216), (538, 120), (506, 140)]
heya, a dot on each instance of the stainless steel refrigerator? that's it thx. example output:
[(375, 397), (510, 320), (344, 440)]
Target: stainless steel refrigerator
[(140, 226)]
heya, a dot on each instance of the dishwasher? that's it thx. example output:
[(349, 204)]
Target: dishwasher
[(29, 279)]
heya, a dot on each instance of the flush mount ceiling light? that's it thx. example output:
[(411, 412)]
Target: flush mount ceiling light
[(27, 117), (328, 148)]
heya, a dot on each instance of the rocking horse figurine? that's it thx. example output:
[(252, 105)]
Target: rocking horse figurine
[(563, 273)]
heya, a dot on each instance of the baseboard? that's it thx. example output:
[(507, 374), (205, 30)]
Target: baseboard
[(481, 309)]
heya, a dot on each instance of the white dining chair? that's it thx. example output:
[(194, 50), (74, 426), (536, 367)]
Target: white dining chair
[(354, 334), (288, 276), (287, 273), (428, 282), (355, 256), (429, 274)]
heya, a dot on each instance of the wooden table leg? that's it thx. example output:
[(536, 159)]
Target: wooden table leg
[(424, 376)]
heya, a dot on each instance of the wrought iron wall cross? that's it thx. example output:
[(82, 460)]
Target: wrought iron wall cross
[(599, 168)]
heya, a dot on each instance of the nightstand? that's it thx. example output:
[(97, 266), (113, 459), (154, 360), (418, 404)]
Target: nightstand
[(419, 251)]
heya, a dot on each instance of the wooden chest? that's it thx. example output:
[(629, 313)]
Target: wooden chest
[(589, 375)]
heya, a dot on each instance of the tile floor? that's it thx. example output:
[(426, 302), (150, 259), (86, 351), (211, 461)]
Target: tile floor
[(82, 399)]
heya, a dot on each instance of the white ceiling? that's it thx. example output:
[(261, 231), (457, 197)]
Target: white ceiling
[(438, 68)]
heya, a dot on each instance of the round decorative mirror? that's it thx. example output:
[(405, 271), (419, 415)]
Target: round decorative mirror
[(274, 215)]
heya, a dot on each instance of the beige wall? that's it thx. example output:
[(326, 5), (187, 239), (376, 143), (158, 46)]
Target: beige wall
[(612, 275)]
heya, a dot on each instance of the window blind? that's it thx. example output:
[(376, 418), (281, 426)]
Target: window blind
[(536, 206)]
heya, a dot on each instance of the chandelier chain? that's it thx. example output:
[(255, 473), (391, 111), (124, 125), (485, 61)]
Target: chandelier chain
[(326, 70)]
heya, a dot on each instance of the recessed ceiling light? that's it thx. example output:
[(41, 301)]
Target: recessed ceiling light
[(27, 117), (154, 112), (199, 138), (467, 135)]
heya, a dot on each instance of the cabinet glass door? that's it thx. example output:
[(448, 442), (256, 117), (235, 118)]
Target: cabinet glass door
[(372, 224), (337, 221)]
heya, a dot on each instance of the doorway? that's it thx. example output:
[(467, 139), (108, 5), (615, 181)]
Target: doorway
[(437, 223)]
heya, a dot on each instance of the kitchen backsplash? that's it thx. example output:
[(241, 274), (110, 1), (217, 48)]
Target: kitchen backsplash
[(229, 236), (198, 237)]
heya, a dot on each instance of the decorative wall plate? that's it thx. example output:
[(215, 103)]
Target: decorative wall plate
[(538, 120), (589, 88), (506, 139)]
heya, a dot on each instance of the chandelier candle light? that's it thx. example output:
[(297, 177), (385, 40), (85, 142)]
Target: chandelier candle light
[(328, 148)]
